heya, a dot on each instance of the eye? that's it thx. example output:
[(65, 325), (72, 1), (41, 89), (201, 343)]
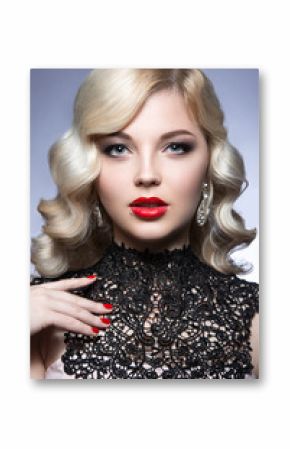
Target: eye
[(118, 149), (180, 147), (115, 150)]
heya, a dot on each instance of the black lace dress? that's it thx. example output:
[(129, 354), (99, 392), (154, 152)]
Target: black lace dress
[(173, 317)]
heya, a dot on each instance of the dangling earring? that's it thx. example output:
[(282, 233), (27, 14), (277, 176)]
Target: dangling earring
[(98, 214), (203, 209)]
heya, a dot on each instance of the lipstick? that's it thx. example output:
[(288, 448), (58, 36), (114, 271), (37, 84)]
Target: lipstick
[(148, 208)]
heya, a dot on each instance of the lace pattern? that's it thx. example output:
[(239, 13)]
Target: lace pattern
[(173, 317)]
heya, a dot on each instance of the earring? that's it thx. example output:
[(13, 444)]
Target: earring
[(203, 209), (99, 217)]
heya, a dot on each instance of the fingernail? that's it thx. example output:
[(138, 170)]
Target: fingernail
[(108, 306), (106, 320), (91, 276), (95, 330)]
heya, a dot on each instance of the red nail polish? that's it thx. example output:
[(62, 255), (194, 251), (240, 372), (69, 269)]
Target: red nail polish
[(106, 320), (91, 276), (108, 306), (95, 330)]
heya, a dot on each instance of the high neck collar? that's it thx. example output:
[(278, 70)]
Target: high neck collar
[(147, 251), (119, 252)]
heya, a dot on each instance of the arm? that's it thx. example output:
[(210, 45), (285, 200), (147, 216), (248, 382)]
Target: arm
[(254, 341), (37, 369)]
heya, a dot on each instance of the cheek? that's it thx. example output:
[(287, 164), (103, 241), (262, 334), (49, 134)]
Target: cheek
[(188, 181), (111, 184)]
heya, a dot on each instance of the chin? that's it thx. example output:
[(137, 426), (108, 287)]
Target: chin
[(150, 231), (151, 235)]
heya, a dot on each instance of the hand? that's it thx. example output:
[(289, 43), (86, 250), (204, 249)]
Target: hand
[(52, 305)]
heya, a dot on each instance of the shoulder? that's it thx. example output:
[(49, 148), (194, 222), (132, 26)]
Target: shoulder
[(246, 294), (242, 299), (237, 292)]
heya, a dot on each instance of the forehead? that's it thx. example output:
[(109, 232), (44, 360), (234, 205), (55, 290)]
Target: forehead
[(163, 110)]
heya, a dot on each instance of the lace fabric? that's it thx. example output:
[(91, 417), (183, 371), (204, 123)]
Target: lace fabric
[(173, 317)]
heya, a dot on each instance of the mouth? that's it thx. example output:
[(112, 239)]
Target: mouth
[(149, 208), (148, 202)]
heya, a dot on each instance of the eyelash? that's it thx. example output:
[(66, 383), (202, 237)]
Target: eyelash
[(186, 147)]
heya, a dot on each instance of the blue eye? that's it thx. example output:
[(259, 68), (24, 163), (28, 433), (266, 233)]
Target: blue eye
[(118, 149), (115, 150), (180, 147)]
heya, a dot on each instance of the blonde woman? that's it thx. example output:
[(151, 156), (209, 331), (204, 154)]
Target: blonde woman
[(136, 279)]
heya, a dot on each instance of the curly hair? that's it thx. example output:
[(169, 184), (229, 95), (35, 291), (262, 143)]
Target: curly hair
[(105, 103)]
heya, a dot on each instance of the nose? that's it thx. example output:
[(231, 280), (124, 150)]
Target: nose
[(147, 173)]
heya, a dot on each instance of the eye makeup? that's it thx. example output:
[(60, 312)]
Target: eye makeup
[(184, 146), (117, 149)]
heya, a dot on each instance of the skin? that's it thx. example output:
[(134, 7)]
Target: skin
[(146, 166)]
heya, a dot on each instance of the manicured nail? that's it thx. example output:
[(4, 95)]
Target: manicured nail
[(91, 276), (106, 320), (108, 306), (95, 330)]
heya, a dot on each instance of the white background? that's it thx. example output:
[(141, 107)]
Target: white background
[(119, 414)]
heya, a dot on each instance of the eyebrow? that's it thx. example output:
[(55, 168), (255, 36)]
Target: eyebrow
[(164, 136)]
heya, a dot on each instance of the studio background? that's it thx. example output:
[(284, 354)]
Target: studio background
[(52, 95)]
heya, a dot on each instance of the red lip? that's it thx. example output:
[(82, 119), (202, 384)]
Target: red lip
[(154, 200), (149, 208)]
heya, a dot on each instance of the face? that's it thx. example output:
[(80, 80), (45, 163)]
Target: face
[(141, 161)]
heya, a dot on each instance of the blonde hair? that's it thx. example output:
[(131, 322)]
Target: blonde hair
[(105, 103)]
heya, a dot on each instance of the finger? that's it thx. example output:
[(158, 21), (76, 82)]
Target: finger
[(78, 313), (88, 304), (67, 284), (70, 324)]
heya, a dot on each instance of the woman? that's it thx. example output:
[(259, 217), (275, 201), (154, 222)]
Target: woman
[(141, 231)]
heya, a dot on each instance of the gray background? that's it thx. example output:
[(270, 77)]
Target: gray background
[(52, 95)]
